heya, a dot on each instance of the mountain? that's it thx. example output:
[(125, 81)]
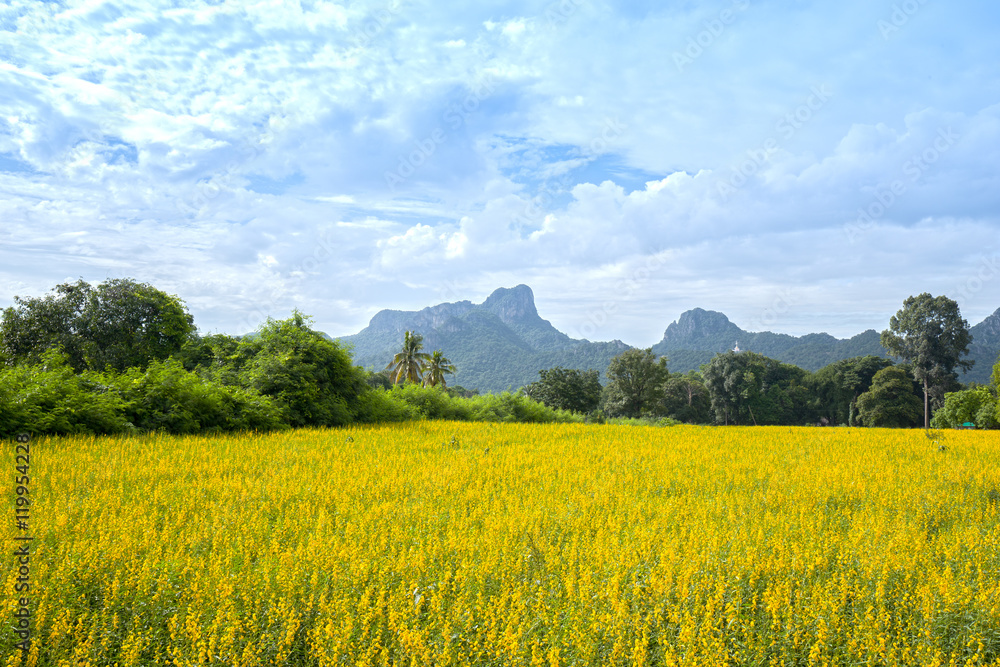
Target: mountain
[(698, 335), (499, 344), (503, 342), (984, 349)]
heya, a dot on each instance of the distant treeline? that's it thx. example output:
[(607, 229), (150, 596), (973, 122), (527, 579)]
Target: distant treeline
[(125, 357)]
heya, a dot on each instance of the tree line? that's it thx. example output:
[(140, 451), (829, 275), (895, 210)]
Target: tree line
[(123, 356)]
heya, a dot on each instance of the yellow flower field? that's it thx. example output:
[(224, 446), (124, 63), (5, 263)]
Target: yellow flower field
[(439, 543)]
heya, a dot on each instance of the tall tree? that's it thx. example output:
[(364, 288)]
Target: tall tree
[(837, 386), (409, 363), (636, 380), (566, 389), (117, 325), (890, 402), (310, 377), (437, 368), (685, 398), (930, 334)]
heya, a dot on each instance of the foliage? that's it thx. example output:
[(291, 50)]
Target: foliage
[(890, 402), (119, 324), (50, 398), (167, 397), (437, 367), (566, 389), (636, 380), (977, 405), (444, 543), (685, 399), (749, 388), (929, 333), (309, 377), (409, 363), (837, 386)]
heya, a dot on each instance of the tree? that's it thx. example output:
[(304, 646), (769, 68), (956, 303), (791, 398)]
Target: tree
[(437, 368), (566, 389), (837, 386), (977, 405), (929, 333), (890, 402), (311, 377), (685, 398), (635, 383), (735, 382), (409, 363), (118, 325)]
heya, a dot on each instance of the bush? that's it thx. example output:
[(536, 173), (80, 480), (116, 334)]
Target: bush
[(977, 405), (167, 397), (49, 398), (382, 405)]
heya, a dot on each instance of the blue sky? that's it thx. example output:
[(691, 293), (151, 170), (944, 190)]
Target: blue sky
[(799, 165)]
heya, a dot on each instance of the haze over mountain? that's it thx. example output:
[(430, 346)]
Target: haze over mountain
[(503, 342)]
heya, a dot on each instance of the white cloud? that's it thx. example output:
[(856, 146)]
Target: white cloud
[(237, 155)]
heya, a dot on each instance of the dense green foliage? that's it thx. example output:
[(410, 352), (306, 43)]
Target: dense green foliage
[(749, 388), (117, 325), (977, 405), (891, 401), (636, 383), (930, 334), (566, 389), (838, 386), (288, 375)]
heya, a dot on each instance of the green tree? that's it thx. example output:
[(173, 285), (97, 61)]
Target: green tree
[(636, 379), (409, 363), (437, 367), (890, 402), (836, 387), (929, 333), (117, 325), (309, 376), (685, 398), (735, 382), (977, 405), (566, 389)]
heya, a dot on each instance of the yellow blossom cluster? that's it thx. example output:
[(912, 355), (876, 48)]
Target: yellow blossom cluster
[(441, 543)]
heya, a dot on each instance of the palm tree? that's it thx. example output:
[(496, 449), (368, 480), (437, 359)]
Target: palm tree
[(436, 370), (409, 363)]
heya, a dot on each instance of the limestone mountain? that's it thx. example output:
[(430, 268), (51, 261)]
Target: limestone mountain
[(499, 344), (698, 335), (984, 349)]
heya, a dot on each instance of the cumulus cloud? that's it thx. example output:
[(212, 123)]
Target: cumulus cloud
[(344, 157)]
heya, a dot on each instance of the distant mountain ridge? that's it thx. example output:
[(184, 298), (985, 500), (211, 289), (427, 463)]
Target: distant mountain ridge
[(698, 335), (503, 342), (499, 344)]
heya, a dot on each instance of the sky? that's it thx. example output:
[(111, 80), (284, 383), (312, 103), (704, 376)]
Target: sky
[(801, 166)]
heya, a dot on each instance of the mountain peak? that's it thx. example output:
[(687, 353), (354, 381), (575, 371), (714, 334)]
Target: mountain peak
[(515, 304), (696, 324)]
